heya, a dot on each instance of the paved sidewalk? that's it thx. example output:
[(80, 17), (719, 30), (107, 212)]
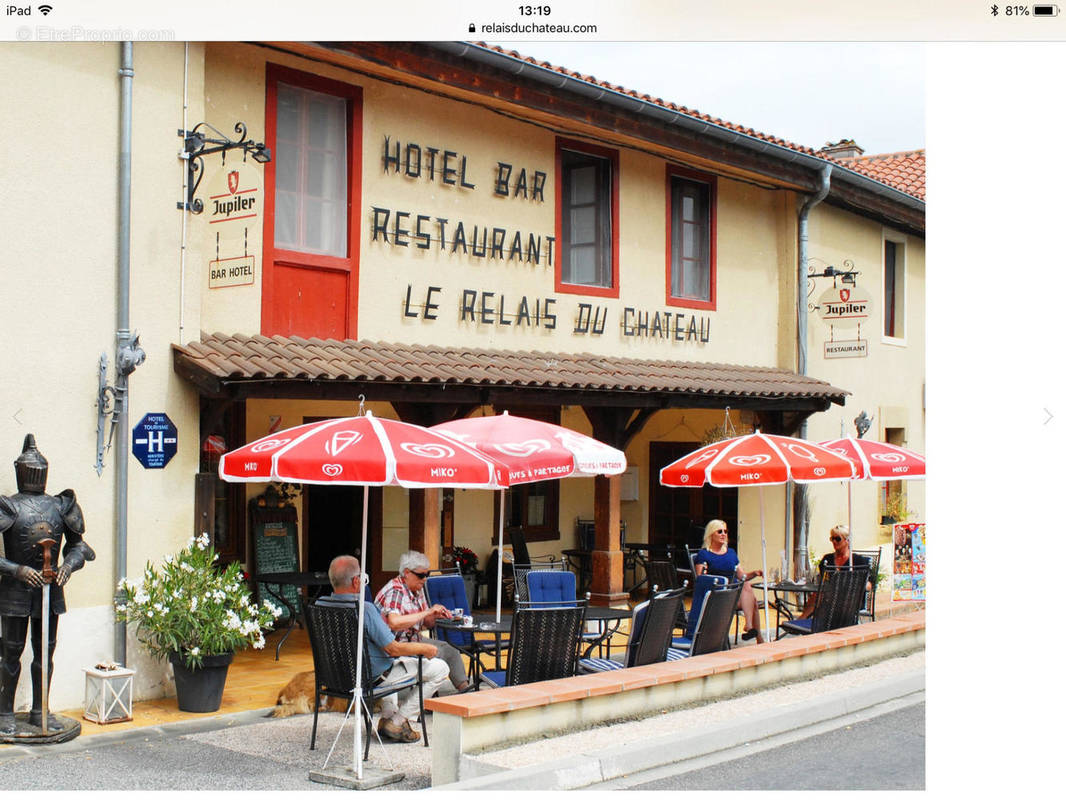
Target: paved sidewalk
[(274, 754)]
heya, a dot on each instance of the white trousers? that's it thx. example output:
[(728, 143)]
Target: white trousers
[(405, 702)]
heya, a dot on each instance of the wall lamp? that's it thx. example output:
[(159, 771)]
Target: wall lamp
[(197, 145)]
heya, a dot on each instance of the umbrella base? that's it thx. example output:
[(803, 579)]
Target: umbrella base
[(345, 777)]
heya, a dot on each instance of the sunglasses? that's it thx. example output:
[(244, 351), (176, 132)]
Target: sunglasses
[(835, 538), (721, 530), (420, 575)]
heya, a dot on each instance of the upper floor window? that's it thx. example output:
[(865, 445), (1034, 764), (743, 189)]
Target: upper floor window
[(587, 216), (894, 279), (311, 213), (311, 177), (690, 262)]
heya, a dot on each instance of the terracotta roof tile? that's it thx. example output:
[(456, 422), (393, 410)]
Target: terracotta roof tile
[(905, 171), (911, 185), (238, 358)]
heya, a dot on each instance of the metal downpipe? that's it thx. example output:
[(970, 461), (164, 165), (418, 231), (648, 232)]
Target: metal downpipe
[(122, 338), (799, 497)]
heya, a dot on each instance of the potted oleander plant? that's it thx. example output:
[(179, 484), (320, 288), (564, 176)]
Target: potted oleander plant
[(195, 614)]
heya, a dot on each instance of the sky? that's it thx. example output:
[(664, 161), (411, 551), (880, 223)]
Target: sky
[(809, 93)]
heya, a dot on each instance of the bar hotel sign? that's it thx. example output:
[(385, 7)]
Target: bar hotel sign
[(844, 308), (233, 211)]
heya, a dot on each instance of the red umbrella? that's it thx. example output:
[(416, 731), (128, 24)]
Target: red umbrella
[(757, 459), (876, 461), (533, 450), (365, 451)]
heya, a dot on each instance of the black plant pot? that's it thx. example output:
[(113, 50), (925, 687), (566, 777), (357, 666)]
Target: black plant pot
[(200, 690)]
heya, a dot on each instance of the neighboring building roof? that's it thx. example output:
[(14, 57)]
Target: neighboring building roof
[(905, 171), (855, 165), (221, 363)]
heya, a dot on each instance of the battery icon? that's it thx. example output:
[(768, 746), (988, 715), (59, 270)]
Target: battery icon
[(1046, 11)]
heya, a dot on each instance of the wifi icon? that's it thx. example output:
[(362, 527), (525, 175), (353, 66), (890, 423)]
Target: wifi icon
[(44, 10)]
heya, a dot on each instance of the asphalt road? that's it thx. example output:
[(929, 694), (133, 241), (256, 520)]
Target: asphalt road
[(885, 752)]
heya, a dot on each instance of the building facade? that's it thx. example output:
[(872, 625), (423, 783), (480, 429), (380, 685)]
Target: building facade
[(441, 230)]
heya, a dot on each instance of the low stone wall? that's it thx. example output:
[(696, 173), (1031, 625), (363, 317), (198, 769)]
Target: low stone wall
[(465, 724)]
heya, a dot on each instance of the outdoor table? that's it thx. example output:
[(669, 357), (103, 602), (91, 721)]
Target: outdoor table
[(605, 615), (272, 581), (781, 588), (483, 623)]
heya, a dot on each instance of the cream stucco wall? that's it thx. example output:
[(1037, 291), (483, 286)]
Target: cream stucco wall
[(889, 384), (754, 245), (59, 212)]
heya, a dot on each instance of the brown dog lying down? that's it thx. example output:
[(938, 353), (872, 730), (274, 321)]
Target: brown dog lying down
[(298, 697)]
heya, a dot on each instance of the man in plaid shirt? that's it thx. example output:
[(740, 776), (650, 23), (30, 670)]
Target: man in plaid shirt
[(403, 605)]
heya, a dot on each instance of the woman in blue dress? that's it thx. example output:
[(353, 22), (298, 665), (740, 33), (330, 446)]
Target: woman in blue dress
[(718, 558)]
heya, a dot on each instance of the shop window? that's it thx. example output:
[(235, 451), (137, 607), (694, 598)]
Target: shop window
[(532, 506), (690, 254), (311, 227), (894, 285), (587, 219)]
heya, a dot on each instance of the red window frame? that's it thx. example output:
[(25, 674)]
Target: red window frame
[(272, 255), (611, 156), (673, 171)]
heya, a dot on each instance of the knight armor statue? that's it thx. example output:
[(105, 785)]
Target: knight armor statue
[(27, 518)]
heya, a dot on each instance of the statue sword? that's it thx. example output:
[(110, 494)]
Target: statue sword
[(48, 574)]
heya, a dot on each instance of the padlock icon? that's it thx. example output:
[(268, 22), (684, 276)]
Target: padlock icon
[(473, 28)]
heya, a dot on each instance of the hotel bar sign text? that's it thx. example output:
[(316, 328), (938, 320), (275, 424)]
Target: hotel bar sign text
[(234, 204), (477, 239)]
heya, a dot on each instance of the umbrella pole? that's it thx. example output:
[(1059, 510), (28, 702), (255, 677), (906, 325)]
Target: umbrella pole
[(849, 524), (357, 739), (765, 579), (499, 564)]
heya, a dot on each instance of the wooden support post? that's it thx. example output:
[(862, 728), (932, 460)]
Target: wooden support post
[(424, 523), (607, 553)]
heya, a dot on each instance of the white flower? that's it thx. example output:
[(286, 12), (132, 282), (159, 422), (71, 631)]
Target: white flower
[(193, 604), (149, 613), (168, 559), (157, 606), (259, 643), (140, 598), (195, 651), (119, 609)]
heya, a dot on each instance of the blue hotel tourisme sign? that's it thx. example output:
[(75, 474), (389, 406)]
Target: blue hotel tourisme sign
[(155, 441)]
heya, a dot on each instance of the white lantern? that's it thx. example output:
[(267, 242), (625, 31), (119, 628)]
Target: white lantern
[(108, 694)]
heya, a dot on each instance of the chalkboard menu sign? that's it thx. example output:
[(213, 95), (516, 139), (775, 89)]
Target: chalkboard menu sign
[(274, 548)]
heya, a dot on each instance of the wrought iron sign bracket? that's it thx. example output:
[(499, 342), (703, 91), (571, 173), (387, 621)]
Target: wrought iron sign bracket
[(197, 145), (846, 275)]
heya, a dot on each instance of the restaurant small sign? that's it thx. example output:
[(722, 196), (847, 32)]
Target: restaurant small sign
[(851, 348)]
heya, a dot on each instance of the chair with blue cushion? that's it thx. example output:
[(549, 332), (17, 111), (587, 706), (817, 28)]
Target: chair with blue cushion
[(521, 573), (716, 616), (449, 590), (559, 587), (840, 596), (703, 584), (332, 631), (544, 644), (651, 627)]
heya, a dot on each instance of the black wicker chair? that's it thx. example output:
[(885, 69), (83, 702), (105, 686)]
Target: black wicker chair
[(840, 596), (524, 561), (332, 630), (868, 604), (663, 575), (716, 617), (650, 634), (544, 644)]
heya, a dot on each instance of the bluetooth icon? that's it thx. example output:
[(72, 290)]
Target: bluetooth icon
[(995, 10)]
